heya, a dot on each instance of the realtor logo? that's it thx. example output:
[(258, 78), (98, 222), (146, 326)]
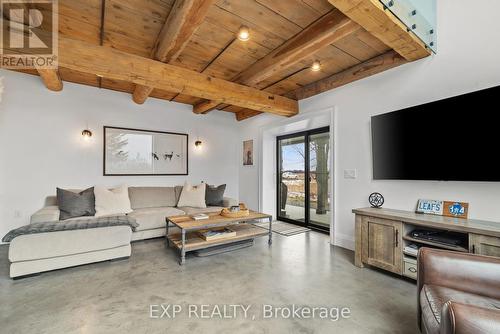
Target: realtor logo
[(29, 32)]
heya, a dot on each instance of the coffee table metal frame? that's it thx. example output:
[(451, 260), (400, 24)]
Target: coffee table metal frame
[(214, 224)]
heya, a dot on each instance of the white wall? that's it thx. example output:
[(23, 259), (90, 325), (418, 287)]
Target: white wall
[(42, 148), (468, 59)]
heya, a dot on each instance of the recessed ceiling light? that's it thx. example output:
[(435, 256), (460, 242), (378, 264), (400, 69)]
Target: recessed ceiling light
[(316, 66), (244, 33)]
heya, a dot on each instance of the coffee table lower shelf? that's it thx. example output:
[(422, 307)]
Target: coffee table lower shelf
[(195, 242)]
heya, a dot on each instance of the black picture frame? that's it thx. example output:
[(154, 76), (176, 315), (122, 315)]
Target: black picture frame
[(105, 173)]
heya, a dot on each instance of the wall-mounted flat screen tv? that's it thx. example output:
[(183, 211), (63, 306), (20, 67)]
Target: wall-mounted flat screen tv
[(455, 139)]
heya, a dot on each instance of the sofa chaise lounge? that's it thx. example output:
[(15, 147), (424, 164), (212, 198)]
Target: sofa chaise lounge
[(34, 253)]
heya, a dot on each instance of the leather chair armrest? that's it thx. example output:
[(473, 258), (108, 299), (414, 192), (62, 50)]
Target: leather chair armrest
[(228, 201), (459, 318), (461, 271), (46, 214), (472, 273)]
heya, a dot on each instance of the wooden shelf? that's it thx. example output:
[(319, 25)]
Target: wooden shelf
[(194, 241), (436, 244)]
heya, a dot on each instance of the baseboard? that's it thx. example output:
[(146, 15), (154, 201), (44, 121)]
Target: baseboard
[(344, 241)]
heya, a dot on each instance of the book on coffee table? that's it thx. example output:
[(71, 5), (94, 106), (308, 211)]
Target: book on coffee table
[(200, 216), (217, 234)]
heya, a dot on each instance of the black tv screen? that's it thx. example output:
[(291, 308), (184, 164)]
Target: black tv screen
[(455, 139)]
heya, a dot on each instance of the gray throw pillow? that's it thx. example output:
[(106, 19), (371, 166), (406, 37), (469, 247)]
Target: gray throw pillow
[(73, 205), (214, 195)]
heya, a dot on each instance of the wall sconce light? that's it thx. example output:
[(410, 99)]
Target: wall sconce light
[(86, 134), (197, 144)]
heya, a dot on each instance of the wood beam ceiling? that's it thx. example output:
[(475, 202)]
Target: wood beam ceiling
[(381, 23), (330, 28), (50, 77), (117, 65), (373, 66), (182, 22), (325, 31)]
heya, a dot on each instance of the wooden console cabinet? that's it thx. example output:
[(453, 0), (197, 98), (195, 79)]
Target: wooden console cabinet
[(382, 234)]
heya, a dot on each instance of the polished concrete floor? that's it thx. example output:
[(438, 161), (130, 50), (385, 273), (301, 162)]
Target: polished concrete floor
[(116, 297)]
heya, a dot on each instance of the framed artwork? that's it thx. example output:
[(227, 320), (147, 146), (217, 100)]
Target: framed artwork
[(248, 152), (144, 152)]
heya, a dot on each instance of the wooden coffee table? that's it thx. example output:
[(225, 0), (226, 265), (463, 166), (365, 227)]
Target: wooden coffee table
[(189, 240)]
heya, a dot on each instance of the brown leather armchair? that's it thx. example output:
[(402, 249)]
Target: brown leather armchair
[(458, 292)]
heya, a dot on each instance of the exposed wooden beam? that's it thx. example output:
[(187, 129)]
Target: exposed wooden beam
[(117, 65), (205, 106), (246, 113), (368, 68), (184, 18), (381, 23), (141, 93), (325, 31), (331, 27), (51, 79)]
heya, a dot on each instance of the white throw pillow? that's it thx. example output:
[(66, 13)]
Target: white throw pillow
[(112, 201), (193, 196)]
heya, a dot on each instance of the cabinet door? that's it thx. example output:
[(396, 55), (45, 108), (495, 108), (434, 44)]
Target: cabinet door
[(382, 243), (484, 245)]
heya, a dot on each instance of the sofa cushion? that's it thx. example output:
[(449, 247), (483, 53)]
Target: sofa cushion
[(433, 297), (151, 197), (151, 218), (72, 204), (214, 196), (193, 196), (112, 201), (192, 211)]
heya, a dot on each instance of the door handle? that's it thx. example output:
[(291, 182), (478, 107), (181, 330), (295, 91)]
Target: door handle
[(396, 241)]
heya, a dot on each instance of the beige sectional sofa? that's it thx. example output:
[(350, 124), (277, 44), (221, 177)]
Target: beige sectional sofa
[(34, 253)]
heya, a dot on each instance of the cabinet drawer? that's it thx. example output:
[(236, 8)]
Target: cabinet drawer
[(410, 267)]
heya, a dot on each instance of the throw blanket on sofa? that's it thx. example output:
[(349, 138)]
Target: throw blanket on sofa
[(76, 224)]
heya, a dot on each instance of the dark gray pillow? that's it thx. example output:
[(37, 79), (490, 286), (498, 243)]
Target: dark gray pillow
[(75, 205), (214, 195)]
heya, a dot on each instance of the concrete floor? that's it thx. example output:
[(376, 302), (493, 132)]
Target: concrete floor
[(115, 297)]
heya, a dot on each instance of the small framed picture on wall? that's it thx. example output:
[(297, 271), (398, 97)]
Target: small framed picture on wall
[(248, 152)]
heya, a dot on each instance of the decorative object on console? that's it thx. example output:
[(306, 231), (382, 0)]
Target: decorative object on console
[(376, 200), (144, 152), (111, 201), (72, 204), (443, 208), (242, 212), (214, 196), (248, 152), (193, 196)]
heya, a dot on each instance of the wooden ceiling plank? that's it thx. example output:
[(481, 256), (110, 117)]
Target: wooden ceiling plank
[(328, 29), (373, 66), (323, 32), (114, 64), (381, 23), (184, 18)]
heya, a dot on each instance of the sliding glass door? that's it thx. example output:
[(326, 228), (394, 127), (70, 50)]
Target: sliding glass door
[(304, 178)]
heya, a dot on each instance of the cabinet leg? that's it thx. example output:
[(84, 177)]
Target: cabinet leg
[(358, 262)]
